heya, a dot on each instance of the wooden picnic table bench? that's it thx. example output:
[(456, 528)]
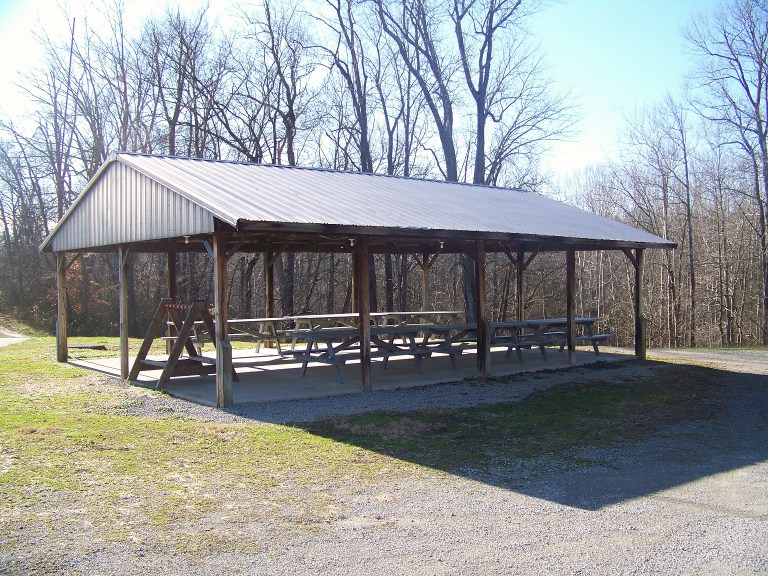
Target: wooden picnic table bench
[(422, 340), (541, 333), (588, 335), (330, 345), (303, 323)]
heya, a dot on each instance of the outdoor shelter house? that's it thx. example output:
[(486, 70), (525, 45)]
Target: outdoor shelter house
[(147, 203)]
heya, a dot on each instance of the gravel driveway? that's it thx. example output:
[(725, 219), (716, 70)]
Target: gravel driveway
[(691, 500)]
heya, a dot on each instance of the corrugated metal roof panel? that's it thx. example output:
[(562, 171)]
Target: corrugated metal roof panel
[(121, 206), (236, 192), (267, 193)]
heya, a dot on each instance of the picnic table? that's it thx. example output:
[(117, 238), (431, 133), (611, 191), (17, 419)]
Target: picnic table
[(304, 323), (333, 339), (258, 330), (328, 345), (241, 329), (543, 332), (331, 345)]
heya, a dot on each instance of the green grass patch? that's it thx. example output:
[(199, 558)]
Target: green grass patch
[(67, 457), (33, 360)]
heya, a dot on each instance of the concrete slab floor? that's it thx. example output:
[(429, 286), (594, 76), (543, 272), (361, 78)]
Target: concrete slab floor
[(267, 377)]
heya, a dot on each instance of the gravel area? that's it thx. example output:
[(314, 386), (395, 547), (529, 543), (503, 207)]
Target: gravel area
[(465, 393), (743, 360), (692, 499)]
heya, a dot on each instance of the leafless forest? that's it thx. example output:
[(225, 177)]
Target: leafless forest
[(425, 88)]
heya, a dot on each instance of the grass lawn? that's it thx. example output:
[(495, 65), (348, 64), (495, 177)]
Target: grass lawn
[(71, 460)]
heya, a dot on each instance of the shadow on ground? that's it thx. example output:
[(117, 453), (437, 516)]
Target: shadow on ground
[(581, 452)]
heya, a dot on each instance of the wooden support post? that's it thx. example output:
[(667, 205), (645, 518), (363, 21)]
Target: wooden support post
[(425, 263), (172, 289), (521, 265), (360, 276), (519, 270), (353, 283), (640, 328), (269, 284), (424, 282), (640, 323), (483, 328), (62, 351), (123, 254), (223, 374), (570, 299), (223, 347)]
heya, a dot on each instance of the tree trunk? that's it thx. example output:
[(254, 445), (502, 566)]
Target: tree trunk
[(403, 288), (389, 284), (331, 285), (373, 293), (468, 286), (249, 285), (286, 280)]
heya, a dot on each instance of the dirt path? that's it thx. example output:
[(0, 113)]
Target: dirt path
[(8, 337)]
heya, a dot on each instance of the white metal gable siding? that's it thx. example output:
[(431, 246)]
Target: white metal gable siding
[(122, 206), (265, 193)]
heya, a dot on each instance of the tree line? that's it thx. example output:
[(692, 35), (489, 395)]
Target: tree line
[(450, 90)]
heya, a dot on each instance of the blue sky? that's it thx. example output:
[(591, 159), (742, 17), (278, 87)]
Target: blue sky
[(616, 56)]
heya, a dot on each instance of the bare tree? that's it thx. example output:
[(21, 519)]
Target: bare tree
[(288, 47), (175, 47), (734, 70), (348, 58), (414, 28)]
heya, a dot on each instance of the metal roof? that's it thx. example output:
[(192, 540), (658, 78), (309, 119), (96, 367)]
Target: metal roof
[(136, 198)]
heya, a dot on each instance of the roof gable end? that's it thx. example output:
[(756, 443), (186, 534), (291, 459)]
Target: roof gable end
[(121, 205)]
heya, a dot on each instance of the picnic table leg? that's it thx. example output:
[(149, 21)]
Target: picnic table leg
[(515, 345), (449, 341), (269, 328), (590, 332), (419, 367), (391, 342), (452, 356), (330, 352), (305, 358), (258, 342), (518, 350), (539, 336)]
